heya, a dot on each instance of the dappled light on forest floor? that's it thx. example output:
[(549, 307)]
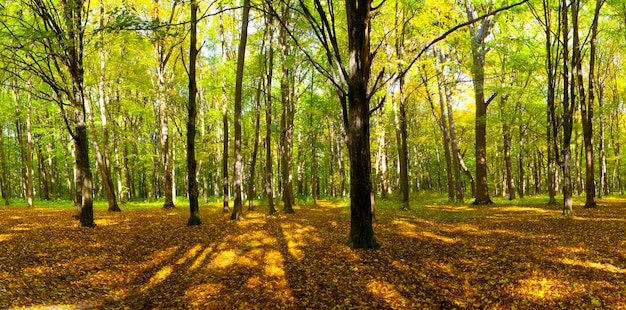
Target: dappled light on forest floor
[(498, 257)]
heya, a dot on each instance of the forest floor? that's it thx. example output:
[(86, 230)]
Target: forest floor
[(503, 256)]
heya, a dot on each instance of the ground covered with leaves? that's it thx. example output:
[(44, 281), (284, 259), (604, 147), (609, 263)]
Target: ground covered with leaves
[(432, 257)]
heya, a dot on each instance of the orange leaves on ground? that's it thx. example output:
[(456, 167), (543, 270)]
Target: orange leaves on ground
[(502, 257)]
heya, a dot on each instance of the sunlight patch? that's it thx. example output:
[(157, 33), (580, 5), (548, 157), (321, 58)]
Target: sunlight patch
[(388, 292), (594, 265), (274, 264), (199, 294), (5, 237), (159, 276), (224, 259), (106, 222), (437, 237), (160, 256), (540, 289), (189, 254), (200, 259)]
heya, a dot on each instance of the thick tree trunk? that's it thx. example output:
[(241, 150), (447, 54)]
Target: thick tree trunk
[(479, 34), (358, 126), (238, 166), (192, 179)]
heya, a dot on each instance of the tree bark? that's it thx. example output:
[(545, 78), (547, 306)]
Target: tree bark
[(225, 138), (6, 195), (478, 36), (269, 172), (286, 121), (445, 129), (506, 141), (192, 179), (567, 116), (455, 152), (163, 55), (586, 103), (238, 165), (255, 147), (358, 127)]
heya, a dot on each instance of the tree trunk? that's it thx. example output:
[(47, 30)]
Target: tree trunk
[(192, 179), (567, 117), (269, 172), (445, 129), (225, 179), (238, 167), (255, 147), (551, 128), (286, 121), (506, 139), (478, 58), (604, 185), (29, 151), (586, 106), (5, 175), (455, 152), (358, 127)]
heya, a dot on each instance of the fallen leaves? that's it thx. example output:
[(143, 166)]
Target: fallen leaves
[(500, 257)]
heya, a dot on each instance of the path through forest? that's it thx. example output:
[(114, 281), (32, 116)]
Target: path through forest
[(438, 257)]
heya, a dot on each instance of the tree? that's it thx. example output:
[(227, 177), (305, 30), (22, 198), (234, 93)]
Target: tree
[(56, 33), (479, 34), (568, 114), (287, 115), (238, 166), (192, 180), (351, 80)]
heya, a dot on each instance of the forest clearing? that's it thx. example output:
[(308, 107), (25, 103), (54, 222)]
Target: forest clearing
[(439, 256)]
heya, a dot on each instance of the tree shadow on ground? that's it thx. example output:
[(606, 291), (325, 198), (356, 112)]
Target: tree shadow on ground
[(507, 257)]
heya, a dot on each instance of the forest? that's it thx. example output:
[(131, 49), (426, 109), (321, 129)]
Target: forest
[(414, 128)]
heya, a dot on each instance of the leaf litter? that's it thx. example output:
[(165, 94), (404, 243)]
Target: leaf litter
[(503, 257)]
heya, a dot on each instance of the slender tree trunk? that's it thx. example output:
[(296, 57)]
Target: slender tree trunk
[(586, 103), (255, 147), (225, 152), (506, 140), (162, 58), (192, 180), (455, 152), (604, 185), (551, 128), (269, 172), (286, 121), (445, 129), (29, 151), (6, 195), (238, 166), (314, 176), (567, 117)]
